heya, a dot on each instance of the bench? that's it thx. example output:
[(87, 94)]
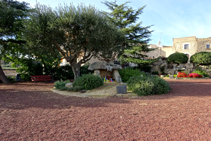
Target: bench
[(39, 78)]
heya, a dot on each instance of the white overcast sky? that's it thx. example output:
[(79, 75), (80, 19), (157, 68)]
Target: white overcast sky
[(170, 18)]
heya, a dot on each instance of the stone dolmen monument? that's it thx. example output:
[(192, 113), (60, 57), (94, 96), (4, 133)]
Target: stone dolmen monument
[(106, 70)]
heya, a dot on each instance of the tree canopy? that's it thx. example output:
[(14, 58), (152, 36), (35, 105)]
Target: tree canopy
[(137, 36), (12, 16), (77, 33)]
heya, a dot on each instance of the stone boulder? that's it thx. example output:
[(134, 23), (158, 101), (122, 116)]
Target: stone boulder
[(103, 65), (69, 85)]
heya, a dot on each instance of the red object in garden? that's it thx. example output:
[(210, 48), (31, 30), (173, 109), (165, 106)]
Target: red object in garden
[(181, 75), (194, 75)]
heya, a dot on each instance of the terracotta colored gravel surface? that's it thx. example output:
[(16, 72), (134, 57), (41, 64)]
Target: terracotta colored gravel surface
[(31, 112)]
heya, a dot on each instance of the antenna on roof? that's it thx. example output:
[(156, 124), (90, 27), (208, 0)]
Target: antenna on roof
[(159, 41)]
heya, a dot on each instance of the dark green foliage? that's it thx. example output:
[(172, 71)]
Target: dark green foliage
[(60, 84), (84, 69), (77, 89), (162, 69), (126, 19), (12, 15), (63, 72), (29, 67), (146, 68), (88, 82), (148, 85), (201, 72), (167, 75), (129, 72), (63, 88), (201, 58), (155, 72), (177, 58), (81, 31)]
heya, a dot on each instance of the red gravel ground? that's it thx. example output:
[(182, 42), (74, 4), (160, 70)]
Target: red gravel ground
[(31, 112)]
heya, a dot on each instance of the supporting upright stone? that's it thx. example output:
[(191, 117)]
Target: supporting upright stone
[(116, 76), (97, 72)]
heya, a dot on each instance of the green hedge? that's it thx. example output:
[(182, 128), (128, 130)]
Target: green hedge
[(201, 58), (148, 85), (177, 58), (88, 81), (129, 72)]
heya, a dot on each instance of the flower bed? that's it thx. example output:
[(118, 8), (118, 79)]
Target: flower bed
[(191, 75), (194, 75)]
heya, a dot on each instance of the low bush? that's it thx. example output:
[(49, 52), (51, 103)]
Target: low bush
[(201, 72), (88, 82), (129, 72), (201, 58), (60, 84), (182, 75), (177, 58), (75, 89), (63, 88), (148, 85), (167, 75), (175, 75)]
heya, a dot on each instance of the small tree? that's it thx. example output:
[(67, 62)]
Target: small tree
[(78, 33), (177, 58), (201, 58), (137, 36)]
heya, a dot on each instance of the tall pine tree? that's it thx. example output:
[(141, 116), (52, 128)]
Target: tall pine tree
[(137, 36)]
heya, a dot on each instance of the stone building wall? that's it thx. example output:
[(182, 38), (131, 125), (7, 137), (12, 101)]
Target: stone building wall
[(178, 45), (202, 42)]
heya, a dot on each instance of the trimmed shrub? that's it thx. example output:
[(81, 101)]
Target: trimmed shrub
[(129, 72), (201, 58), (60, 84), (148, 85), (77, 89), (88, 82), (182, 75), (177, 58), (63, 88), (201, 72)]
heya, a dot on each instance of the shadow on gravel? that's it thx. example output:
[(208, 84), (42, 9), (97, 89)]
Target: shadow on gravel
[(39, 95)]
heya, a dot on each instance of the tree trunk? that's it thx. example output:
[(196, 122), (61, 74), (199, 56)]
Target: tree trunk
[(76, 70), (3, 78)]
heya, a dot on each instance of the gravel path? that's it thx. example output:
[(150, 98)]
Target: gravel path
[(31, 112)]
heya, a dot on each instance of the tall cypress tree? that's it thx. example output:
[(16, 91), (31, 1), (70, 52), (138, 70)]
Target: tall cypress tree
[(126, 18)]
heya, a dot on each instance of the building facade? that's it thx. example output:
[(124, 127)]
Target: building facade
[(191, 45)]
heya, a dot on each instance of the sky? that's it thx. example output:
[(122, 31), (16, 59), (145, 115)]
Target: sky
[(169, 18)]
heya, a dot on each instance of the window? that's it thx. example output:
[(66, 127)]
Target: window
[(207, 46), (186, 46)]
